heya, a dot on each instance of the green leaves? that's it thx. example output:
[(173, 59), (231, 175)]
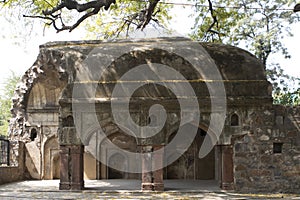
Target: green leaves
[(286, 89), (6, 101), (123, 18), (258, 26)]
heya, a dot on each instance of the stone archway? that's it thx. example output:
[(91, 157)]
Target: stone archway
[(99, 155), (55, 166), (51, 159), (189, 166), (119, 161), (217, 165), (117, 158)]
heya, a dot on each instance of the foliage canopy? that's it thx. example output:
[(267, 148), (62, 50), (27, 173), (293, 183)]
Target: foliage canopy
[(6, 101), (258, 26)]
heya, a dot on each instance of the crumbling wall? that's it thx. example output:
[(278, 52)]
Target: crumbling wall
[(18, 127), (14, 173)]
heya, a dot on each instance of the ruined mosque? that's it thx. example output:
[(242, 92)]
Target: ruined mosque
[(63, 125)]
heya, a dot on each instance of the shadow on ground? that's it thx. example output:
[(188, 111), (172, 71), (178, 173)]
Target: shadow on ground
[(126, 189)]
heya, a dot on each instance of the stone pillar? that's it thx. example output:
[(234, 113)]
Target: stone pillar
[(64, 168), (157, 163), (71, 167), (227, 182), (152, 180), (146, 168)]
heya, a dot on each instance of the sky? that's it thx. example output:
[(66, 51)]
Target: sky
[(18, 52)]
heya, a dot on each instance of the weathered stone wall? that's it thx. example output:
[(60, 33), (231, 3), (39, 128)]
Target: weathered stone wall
[(258, 164), (14, 173)]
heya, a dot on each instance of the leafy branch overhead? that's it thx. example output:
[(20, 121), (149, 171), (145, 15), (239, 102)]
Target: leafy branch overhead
[(54, 14), (258, 26)]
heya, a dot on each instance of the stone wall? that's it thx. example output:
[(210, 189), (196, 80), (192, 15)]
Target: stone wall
[(267, 156), (14, 173)]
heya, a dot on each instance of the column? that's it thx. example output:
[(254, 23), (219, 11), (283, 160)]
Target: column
[(146, 168), (71, 167), (152, 159), (227, 168), (157, 163)]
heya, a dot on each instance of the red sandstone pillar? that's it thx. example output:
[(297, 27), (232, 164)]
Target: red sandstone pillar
[(157, 163), (152, 180), (146, 168), (71, 167), (227, 168), (64, 168)]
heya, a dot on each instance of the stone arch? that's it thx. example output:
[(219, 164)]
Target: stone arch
[(90, 134), (117, 160), (234, 120), (95, 148), (93, 130), (188, 165), (55, 166), (51, 158), (124, 142), (33, 84), (136, 58)]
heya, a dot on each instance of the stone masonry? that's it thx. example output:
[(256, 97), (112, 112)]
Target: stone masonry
[(258, 149)]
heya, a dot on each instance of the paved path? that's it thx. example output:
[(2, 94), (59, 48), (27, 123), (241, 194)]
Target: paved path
[(126, 189)]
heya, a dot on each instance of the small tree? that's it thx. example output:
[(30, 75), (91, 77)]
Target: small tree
[(6, 101)]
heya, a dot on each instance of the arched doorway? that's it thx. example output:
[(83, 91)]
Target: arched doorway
[(98, 150), (55, 166), (118, 161), (51, 159), (189, 166)]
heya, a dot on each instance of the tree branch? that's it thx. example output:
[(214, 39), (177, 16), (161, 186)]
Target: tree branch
[(74, 5), (148, 14), (214, 17), (71, 28), (140, 19), (296, 8), (42, 17)]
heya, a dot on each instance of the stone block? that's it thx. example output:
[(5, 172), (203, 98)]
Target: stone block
[(240, 167), (279, 120), (147, 187), (259, 173), (158, 187), (264, 138)]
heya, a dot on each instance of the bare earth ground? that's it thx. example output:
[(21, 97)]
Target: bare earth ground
[(127, 189)]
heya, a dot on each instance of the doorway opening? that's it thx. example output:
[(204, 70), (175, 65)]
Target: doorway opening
[(189, 167)]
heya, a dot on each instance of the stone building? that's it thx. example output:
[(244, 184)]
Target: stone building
[(256, 149)]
